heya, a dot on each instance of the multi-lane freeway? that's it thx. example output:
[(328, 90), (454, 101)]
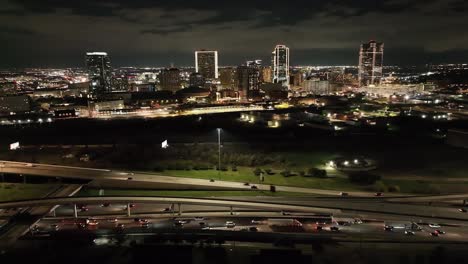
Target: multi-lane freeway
[(111, 215)]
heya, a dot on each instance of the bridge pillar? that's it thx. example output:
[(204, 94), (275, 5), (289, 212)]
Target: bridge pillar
[(464, 202), (231, 211), (180, 208), (75, 211), (128, 210)]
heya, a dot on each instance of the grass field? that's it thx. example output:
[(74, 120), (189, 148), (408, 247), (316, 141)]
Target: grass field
[(16, 191), (245, 174)]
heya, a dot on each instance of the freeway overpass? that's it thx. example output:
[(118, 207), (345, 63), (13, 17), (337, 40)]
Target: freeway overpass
[(105, 178), (161, 200)]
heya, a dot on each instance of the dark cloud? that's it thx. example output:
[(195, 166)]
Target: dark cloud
[(8, 30), (166, 31), (54, 31)]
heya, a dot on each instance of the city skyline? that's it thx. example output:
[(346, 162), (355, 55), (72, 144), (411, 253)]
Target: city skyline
[(56, 33)]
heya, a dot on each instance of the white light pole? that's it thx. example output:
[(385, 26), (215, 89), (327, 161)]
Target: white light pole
[(219, 150)]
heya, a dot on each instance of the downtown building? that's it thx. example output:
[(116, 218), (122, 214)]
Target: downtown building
[(169, 79), (280, 65), (99, 73), (370, 63), (206, 63), (248, 82)]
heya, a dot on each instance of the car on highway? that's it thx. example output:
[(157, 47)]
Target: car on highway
[(378, 194), (54, 227), (35, 228), (178, 224), (319, 228), (130, 178), (246, 184), (253, 187), (435, 234), (433, 225), (388, 228), (357, 221), (344, 194), (212, 180), (140, 220), (253, 229), (182, 220), (199, 218), (256, 222), (120, 227), (93, 222), (84, 209), (112, 220), (334, 228), (230, 224), (29, 165), (145, 225), (440, 232), (462, 210), (409, 233), (105, 205)]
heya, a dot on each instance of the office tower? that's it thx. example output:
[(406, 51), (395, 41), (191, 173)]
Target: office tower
[(196, 80), (99, 72), (169, 79), (206, 63), (370, 63), (265, 74), (227, 77), (296, 79), (280, 63), (247, 81)]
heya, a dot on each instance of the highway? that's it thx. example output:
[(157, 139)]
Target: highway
[(114, 179), (17, 229), (216, 224)]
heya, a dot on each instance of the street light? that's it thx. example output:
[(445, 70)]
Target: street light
[(219, 150)]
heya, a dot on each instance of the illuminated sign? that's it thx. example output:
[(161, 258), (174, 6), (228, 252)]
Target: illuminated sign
[(14, 146), (164, 144)]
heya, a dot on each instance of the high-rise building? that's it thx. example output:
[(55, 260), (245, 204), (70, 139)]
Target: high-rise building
[(265, 74), (196, 80), (206, 63), (296, 79), (247, 81), (280, 64), (99, 72), (227, 77), (169, 79), (370, 63)]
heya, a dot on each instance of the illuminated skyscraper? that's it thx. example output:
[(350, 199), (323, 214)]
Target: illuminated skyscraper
[(169, 79), (206, 63), (99, 72), (370, 63), (280, 63)]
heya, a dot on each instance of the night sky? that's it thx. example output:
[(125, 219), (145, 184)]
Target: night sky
[(57, 33)]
